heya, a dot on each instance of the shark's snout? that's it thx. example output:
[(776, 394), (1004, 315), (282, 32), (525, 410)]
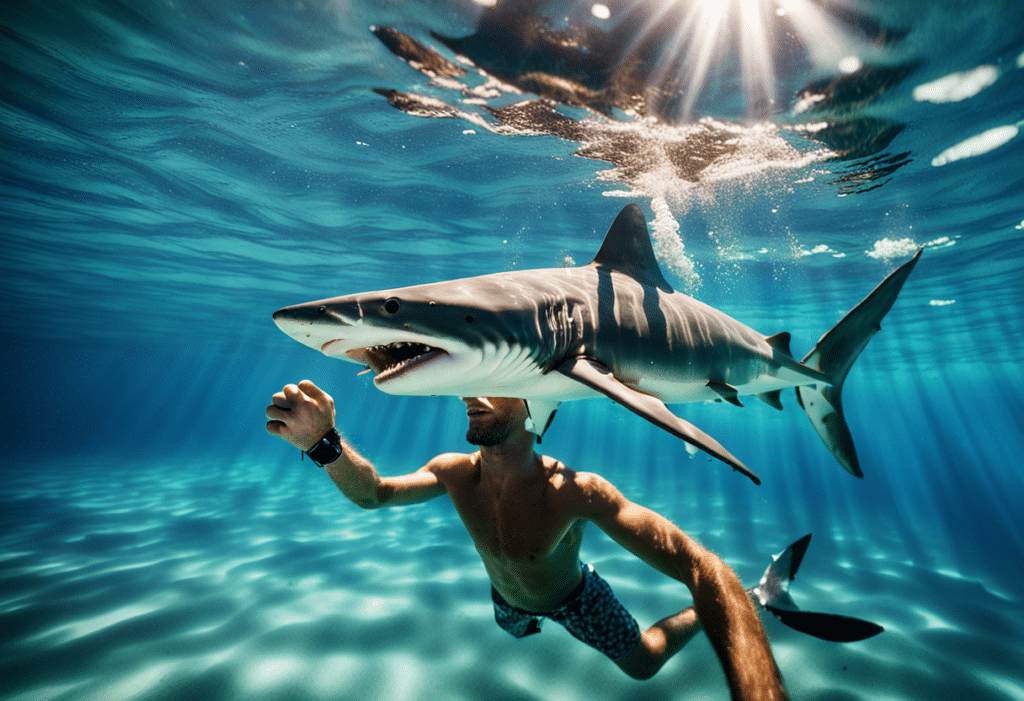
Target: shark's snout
[(309, 314), (315, 315), (315, 324), (288, 318)]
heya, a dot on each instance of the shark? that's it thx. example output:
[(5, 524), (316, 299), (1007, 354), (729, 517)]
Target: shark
[(614, 328)]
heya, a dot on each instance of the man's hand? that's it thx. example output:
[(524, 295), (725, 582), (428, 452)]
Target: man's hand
[(301, 414)]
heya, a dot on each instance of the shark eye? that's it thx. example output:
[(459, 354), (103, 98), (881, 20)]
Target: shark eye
[(392, 305), (321, 310)]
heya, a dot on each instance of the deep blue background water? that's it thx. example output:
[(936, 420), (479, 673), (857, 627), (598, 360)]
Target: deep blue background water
[(172, 173)]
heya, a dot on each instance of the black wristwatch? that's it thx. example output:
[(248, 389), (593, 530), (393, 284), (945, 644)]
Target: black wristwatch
[(326, 450)]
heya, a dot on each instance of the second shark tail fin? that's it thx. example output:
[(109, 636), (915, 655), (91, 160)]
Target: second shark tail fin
[(772, 592), (834, 355)]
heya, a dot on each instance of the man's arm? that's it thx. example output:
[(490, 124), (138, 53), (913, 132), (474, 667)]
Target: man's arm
[(302, 414), (725, 611)]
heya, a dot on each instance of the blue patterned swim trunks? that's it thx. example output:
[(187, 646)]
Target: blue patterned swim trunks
[(591, 614)]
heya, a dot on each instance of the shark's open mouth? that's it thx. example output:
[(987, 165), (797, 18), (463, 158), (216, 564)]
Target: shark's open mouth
[(394, 359)]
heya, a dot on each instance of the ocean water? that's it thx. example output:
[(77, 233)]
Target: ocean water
[(173, 172)]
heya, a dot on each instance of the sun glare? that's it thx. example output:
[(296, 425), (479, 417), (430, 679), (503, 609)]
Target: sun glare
[(828, 46), (705, 39), (706, 32)]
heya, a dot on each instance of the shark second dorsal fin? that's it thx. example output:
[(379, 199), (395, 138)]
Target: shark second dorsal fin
[(627, 248), (780, 342)]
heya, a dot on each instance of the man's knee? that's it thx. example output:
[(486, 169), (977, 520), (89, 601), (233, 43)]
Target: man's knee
[(640, 674)]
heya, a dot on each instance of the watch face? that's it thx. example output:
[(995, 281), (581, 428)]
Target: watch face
[(327, 449)]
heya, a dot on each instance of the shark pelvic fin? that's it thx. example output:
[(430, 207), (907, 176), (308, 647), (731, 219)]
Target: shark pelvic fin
[(627, 248), (772, 592), (725, 391), (541, 412), (593, 374)]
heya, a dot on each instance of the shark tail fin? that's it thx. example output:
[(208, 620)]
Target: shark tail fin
[(835, 353), (772, 592)]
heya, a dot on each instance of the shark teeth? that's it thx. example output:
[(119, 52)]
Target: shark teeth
[(393, 359)]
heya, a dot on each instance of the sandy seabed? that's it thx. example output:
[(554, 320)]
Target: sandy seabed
[(214, 581)]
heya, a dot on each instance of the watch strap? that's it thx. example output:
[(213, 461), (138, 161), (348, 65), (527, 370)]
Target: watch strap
[(327, 449)]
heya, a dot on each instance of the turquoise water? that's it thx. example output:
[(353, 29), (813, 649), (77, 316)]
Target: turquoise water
[(172, 173)]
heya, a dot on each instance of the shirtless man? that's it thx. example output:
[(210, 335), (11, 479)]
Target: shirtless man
[(526, 514)]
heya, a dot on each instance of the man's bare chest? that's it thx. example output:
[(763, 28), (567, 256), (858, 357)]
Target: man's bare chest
[(518, 523)]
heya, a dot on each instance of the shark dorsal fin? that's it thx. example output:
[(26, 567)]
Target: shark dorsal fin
[(627, 248)]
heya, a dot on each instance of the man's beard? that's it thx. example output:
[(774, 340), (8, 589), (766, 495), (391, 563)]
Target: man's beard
[(489, 436)]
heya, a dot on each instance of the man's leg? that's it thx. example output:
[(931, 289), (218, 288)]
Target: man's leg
[(659, 642)]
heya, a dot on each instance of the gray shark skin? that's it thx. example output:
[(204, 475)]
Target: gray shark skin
[(614, 327), (772, 592)]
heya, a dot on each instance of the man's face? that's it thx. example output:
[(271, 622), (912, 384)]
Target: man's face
[(493, 419)]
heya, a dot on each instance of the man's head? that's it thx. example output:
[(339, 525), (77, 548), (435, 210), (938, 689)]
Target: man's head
[(494, 420)]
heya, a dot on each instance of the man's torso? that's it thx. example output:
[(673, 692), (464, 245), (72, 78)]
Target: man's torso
[(524, 530)]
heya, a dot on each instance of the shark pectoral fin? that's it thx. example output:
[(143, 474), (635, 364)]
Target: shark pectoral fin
[(593, 374), (725, 391), (773, 398), (827, 626), (541, 414)]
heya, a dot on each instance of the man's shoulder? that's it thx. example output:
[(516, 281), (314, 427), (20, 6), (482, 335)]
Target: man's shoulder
[(450, 462), (582, 492), (560, 474)]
